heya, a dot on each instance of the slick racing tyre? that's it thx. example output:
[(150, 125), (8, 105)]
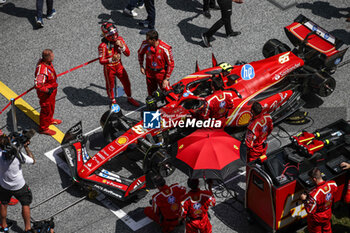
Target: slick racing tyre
[(273, 47)]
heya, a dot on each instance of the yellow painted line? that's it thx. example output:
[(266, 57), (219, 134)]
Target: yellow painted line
[(28, 110)]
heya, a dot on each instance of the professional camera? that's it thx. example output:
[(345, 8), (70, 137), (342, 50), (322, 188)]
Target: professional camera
[(19, 139)]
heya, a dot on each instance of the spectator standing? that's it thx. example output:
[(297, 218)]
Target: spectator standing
[(39, 11), (129, 9), (318, 203), (165, 208), (195, 207), (207, 4), (110, 50), (149, 23), (226, 12), (159, 62), (46, 89), (258, 130), (12, 182)]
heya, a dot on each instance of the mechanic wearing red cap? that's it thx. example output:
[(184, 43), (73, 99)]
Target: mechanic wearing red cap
[(195, 207), (165, 208), (110, 49), (46, 89), (318, 203), (258, 130), (159, 62)]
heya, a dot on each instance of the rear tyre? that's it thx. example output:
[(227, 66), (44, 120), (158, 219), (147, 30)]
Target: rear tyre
[(273, 47)]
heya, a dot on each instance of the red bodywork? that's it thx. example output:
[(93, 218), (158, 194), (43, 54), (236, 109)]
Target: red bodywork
[(253, 81)]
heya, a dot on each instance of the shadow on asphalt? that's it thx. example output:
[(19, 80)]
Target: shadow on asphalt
[(342, 34), (115, 5), (23, 121), (84, 97), (186, 5), (20, 12), (325, 10)]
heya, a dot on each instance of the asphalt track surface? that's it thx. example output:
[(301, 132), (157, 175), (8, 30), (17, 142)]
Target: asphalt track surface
[(74, 35)]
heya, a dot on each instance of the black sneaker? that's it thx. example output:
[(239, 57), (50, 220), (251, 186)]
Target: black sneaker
[(232, 34), (207, 14), (143, 23), (206, 40)]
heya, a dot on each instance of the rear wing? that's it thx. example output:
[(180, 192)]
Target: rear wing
[(316, 41)]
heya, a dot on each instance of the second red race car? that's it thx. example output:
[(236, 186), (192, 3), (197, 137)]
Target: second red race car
[(277, 82)]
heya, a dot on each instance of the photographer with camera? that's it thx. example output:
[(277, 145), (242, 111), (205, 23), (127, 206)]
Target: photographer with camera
[(12, 182)]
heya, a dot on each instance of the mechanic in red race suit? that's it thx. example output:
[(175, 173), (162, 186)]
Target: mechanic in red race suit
[(165, 208), (159, 62), (219, 103), (46, 89), (346, 166), (258, 130), (195, 207), (318, 203), (110, 50)]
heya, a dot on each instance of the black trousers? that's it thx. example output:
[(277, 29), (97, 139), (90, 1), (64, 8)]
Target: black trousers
[(151, 11), (207, 3), (40, 5), (226, 12)]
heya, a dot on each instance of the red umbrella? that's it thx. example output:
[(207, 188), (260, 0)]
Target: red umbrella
[(208, 153)]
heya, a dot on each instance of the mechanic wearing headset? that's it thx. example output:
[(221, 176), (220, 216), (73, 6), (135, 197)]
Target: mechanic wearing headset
[(12, 182), (318, 203), (46, 89), (165, 208), (159, 62), (110, 50), (195, 207), (258, 130)]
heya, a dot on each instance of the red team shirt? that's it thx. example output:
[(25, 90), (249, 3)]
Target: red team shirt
[(157, 58), (45, 77), (318, 205), (168, 200), (197, 211), (218, 104), (107, 49)]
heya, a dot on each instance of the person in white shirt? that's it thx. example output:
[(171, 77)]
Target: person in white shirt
[(12, 182)]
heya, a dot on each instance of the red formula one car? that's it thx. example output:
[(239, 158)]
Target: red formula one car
[(277, 82)]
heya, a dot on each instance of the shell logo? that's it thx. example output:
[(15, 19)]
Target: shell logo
[(122, 140), (236, 147), (104, 181), (180, 147), (244, 119)]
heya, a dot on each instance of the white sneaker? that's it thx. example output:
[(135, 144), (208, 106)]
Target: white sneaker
[(129, 12), (2, 1)]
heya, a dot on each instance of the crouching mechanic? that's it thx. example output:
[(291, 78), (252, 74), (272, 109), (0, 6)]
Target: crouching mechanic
[(318, 203), (46, 89), (195, 207), (12, 182), (258, 130), (218, 104), (110, 50), (159, 62), (165, 208)]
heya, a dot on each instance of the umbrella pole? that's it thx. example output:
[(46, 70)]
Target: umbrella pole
[(233, 194)]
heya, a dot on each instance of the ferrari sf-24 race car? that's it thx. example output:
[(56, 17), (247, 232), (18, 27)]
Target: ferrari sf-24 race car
[(277, 82)]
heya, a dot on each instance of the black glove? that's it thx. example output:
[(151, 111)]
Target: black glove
[(50, 90)]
